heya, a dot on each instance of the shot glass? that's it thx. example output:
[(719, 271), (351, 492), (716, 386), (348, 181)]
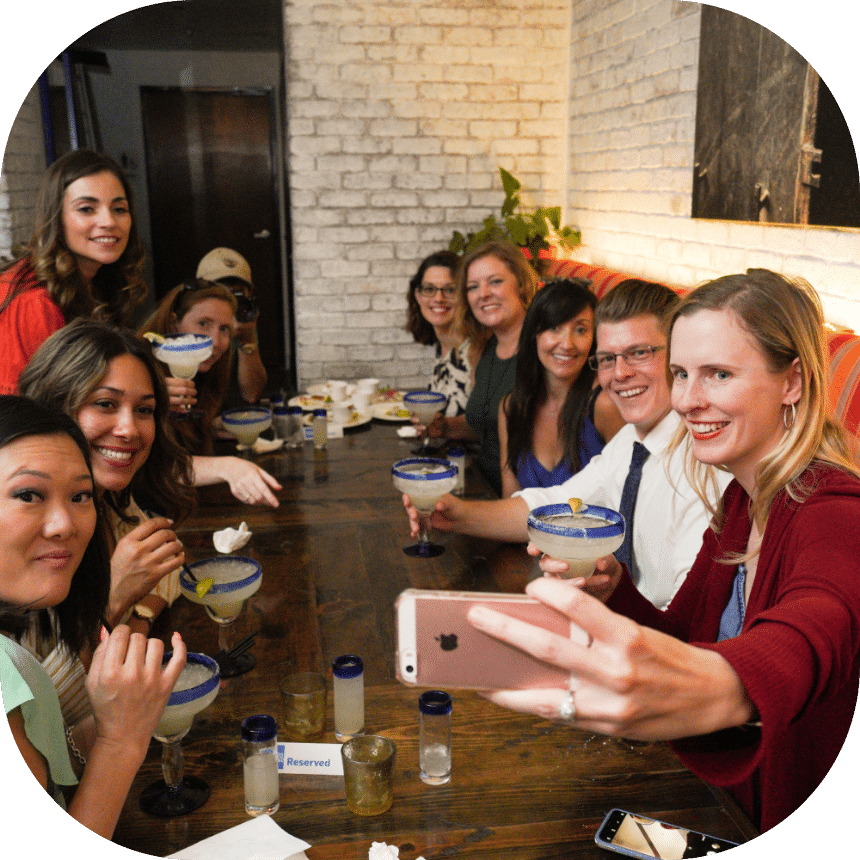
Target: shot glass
[(303, 699), (368, 774)]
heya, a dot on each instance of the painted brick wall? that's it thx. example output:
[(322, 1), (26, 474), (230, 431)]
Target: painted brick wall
[(23, 168), (633, 121), (400, 114)]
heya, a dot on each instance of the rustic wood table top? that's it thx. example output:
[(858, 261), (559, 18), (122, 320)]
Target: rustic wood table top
[(333, 564)]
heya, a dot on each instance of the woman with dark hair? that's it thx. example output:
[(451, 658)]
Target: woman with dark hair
[(432, 321), (48, 510), (555, 419), (107, 381), (204, 307), (84, 259)]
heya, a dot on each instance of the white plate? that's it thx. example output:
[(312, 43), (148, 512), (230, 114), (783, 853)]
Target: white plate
[(363, 418), (397, 397), (386, 411), (309, 402)]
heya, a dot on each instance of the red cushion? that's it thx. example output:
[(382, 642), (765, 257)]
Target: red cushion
[(844, 373)]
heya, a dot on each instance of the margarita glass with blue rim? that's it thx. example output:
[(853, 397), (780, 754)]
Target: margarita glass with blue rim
[(578, 537), (195, 689), (426, 480), (424, 405), (183, 353), (232, 579), (247, 423)]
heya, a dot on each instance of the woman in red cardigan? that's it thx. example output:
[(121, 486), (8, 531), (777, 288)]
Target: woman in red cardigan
[(752, 670), (84, 259)]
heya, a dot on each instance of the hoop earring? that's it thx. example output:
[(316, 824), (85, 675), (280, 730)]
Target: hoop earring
[(789, 424)]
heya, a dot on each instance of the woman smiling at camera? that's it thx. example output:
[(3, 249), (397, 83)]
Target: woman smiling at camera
[(752, 670), (496, 285), (433, 304), (107, 381), (84, 259), (49, 516), (556, 418)]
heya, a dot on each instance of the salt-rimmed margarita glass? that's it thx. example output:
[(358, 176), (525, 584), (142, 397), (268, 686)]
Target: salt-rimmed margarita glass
[(183, 353), (236, 578), (426, 480), (424, 405), (195, 689), (247, 423), (579, 537)]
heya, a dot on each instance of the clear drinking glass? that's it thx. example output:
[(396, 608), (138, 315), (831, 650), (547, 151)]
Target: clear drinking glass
[(426, 480), (236, 578), (368, 774), (303, 700), (195, 689)]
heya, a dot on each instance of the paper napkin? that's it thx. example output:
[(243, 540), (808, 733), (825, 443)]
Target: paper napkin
[(229, 540), (257, 839)]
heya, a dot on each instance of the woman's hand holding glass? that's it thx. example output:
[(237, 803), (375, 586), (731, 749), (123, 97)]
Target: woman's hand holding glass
[(128, 687), (444, 516), (631, 681), (601, 583), (147, 553), (182, 393)]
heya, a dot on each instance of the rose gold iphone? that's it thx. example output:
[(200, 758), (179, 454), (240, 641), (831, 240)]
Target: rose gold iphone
[(437, 647)]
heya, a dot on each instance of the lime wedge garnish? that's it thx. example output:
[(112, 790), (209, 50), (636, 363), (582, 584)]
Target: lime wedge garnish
[(203, 586), (575, 505), (152, 337)]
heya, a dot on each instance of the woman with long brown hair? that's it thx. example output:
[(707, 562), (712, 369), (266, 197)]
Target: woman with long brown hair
[(84, 259)]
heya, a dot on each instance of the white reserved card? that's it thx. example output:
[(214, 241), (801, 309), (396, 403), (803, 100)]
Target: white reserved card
[(321, 759)]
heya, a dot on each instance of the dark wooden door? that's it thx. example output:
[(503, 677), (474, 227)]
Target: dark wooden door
[(755, 123), (212, 183)]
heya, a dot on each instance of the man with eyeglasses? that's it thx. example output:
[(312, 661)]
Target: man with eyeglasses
[(635, 473)]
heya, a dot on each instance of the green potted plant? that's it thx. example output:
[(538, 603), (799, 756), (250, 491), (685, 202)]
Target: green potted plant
[(532, 231)]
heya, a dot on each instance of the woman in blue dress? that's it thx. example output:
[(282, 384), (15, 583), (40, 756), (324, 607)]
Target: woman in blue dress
[(555, 419)]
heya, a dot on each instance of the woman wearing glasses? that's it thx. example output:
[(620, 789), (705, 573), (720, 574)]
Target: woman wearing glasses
[(556, 418), (204, 307), (432, 299)]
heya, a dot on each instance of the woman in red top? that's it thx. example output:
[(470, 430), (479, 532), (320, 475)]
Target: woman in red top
[(752, 670), (84, 259)]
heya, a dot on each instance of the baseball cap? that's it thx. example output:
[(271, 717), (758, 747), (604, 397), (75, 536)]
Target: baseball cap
[(224, 263)]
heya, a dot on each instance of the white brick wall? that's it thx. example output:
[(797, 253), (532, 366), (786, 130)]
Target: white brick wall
[(633, 121), (23, 168), (400, 114)]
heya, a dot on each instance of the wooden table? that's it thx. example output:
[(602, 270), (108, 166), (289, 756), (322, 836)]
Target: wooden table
[(522, 788)]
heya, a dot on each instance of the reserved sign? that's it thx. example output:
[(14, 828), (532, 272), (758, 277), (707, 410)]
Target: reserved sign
[(310, 758)]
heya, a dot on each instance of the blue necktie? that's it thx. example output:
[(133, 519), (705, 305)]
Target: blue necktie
[(628, 503)]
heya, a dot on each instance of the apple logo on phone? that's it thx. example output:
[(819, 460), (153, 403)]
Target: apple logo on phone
[(448, 641)]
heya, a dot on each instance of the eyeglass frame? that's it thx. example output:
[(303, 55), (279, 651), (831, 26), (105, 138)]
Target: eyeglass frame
[(448, 292), (595, 362)]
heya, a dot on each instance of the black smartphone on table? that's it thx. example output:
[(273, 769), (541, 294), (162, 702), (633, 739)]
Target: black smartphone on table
[(639, 836)]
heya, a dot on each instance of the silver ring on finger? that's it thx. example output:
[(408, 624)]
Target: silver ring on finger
[(567, 709)]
